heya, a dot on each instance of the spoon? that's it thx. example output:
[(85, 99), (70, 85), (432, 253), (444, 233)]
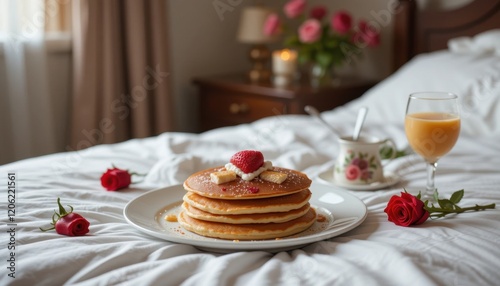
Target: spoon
[(314, 112), (359, 122)]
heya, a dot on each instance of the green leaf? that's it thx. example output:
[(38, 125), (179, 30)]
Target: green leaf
[(435, 195), (400, 153), (457, 196), (304, 57), (292, 41), (446, 204), (386, 153), (324, 59), (439, 215), (418, 196)]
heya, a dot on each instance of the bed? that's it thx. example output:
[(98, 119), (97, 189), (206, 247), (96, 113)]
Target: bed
[(456, 250)]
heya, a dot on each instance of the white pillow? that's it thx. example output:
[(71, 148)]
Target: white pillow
[(462, 45), (475, 78), (488, 40), (485, 42)]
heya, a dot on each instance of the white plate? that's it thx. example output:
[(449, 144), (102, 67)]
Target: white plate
[(389, 180), (147, 212)]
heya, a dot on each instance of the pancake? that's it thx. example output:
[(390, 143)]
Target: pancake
[(240, 189), (250, 206), (277, 217), (247, 231)]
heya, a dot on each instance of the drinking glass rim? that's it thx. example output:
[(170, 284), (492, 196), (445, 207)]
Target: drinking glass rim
[(433, 95)]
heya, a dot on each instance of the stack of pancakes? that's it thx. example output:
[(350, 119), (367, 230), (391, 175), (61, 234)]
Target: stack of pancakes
[(247, 210)]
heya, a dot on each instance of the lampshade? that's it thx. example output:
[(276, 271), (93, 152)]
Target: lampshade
[(251, 29)]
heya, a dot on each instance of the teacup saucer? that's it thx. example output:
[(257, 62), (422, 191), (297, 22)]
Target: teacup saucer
[(389, 180)]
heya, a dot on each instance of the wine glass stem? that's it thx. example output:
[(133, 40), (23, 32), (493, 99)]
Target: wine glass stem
[(431, 172)]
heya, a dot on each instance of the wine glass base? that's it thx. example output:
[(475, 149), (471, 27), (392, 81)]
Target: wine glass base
[(420, 193), (427, 196)]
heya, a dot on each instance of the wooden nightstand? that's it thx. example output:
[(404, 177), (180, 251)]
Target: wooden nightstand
[(232, 99)]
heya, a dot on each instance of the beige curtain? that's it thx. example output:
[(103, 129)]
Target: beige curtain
[(57, 15), (120, 71)]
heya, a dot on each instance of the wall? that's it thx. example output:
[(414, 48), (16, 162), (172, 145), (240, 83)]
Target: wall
[(203, 43)]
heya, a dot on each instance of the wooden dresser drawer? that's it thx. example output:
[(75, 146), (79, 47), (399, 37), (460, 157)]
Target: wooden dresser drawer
[(226, 100), (219, 109)]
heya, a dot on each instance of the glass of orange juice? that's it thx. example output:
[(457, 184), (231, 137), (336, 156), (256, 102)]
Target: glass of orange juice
[(432, 126)]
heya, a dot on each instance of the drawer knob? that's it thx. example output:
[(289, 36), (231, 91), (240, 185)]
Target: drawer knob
[(238, 108)]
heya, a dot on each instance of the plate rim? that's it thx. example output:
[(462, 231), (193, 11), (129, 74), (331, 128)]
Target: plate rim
[(386, 184), (225, 245)]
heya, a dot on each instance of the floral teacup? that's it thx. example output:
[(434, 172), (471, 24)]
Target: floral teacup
[(359, 161)]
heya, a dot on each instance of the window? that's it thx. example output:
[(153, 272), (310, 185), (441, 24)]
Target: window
[(22, 20)]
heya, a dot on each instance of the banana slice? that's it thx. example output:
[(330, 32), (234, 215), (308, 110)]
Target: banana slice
[(273, 177), (222, 177)]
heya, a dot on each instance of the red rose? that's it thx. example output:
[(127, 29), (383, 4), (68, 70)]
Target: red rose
[(406, 210), (294, 8), (68, 223), (72, 224), (310, 31), (318, 12), (367, 35), (341, 22), (272, 25), (115, 179)]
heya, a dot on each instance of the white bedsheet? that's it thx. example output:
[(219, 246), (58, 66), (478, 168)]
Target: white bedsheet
[(457, 250)]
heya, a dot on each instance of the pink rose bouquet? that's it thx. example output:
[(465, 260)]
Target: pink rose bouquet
[(322, 40)]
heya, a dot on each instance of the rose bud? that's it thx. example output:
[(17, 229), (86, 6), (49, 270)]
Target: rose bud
[(318, 12), (366, 35), (68, 223), (341, 22), (294, 8), (115, 179), (72, 224)]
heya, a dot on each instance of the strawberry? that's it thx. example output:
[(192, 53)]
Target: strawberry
[(248, 160)]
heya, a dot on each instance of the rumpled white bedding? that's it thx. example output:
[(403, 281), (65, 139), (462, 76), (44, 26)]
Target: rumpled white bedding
[(457, 250)]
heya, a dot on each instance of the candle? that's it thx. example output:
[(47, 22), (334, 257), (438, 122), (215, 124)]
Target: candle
[(284, 62), (284, 66)]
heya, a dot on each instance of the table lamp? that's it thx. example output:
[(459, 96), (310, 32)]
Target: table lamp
[(251, 31)]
